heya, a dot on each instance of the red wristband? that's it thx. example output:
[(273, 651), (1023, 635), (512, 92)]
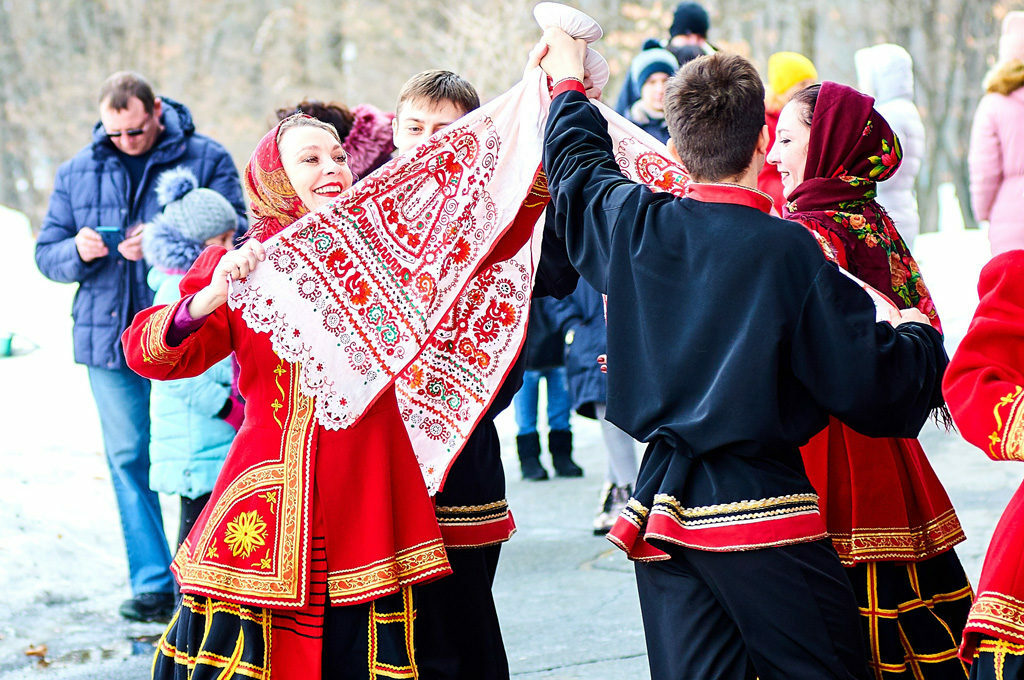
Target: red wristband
[(567, 84)]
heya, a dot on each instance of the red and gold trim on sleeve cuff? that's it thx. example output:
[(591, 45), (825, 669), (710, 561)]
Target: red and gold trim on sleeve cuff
[(155, 349), (475, 526), (566, 85), (625, 534), (1007, 441), (728, 527), (993, 615)]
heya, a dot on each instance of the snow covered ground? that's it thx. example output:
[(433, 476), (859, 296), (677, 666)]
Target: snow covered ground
[(60, 537), (62, 564)]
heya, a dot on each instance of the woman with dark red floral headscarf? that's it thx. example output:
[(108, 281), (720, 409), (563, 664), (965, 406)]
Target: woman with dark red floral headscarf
[(887, 514), (304, 561)]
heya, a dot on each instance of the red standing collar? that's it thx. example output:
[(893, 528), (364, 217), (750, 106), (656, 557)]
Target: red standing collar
[(729, 193)]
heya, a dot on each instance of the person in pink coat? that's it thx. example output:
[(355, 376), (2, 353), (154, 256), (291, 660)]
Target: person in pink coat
[(996, 156)]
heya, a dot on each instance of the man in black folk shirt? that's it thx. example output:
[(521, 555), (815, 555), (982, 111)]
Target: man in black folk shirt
[(730, 341)]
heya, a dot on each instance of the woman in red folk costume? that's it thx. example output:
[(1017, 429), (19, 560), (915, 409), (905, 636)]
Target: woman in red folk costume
[(304, 562), (984, 386), (887, 514)]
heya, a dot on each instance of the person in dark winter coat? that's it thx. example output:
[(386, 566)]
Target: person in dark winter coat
[(649, 71), (580, 318), (193, 420), (544, 359), (91, 236), (688, 39)]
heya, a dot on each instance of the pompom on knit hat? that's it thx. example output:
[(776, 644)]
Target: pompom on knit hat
[(690, 18), (786, 69), (652, 59), (1011, 41), (196, 212), (191, 215)]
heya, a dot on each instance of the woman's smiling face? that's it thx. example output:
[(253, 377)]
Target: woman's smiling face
[(789, 153), (316, 165)]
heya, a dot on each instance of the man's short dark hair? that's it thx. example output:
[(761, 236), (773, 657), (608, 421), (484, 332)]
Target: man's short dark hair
[(119, 88), (438, 86), (714, 107)]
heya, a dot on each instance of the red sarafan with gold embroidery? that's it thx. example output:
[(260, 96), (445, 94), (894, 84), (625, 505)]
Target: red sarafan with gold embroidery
[(251, 544), (419, 278), (880, 497), (984, 388)]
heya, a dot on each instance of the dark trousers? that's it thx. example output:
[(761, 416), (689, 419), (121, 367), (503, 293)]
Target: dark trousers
[(457, 633), (777, 613)]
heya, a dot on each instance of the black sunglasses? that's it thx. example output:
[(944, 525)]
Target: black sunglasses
[(131, 133)]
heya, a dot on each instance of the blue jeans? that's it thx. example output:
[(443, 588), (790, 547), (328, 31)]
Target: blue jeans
[(525, 401), (122, 399)]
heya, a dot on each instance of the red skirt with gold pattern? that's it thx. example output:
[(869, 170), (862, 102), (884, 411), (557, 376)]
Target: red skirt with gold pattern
[(880, 498)]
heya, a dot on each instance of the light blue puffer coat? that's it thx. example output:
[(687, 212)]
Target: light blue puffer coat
[(188, 441)]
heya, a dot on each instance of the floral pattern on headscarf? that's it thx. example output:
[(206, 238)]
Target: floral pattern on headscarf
[(272, 198), (851, 147)]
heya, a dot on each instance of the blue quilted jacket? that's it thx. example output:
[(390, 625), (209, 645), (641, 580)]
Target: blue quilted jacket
[(92, 189)]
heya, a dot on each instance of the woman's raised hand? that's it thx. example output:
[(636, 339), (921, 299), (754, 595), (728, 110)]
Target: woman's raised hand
[(234, 265)]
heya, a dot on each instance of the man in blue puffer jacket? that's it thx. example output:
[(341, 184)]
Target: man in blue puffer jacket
[(91, 236)]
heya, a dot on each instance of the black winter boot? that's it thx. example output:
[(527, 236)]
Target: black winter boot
[(528, 446), (560, 446)]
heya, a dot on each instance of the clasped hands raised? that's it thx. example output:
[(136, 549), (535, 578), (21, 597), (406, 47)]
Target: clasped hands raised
[(561, 56)]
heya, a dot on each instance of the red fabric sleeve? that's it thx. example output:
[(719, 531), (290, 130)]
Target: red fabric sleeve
[(984, 383), (146, 346)]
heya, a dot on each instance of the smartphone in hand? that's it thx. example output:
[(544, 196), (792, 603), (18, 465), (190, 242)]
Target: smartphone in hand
[(111, 237)]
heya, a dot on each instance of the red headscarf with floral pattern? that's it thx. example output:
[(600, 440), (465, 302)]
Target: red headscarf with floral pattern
[(272, 198), (851, 147)]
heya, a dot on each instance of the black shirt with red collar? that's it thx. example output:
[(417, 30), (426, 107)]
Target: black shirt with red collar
[(730, 341)]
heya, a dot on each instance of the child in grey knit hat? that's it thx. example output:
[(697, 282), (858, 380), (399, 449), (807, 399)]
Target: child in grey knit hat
[(193, 217), (193, 420)]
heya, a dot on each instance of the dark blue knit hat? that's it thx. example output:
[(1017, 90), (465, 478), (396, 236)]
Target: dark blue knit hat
[(650, 61), (690, 18)]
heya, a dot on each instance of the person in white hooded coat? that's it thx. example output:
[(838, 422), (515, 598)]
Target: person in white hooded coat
[(886, 72)]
